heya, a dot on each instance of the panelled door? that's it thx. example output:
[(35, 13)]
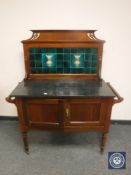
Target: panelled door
[(84, 112), (43, 112)]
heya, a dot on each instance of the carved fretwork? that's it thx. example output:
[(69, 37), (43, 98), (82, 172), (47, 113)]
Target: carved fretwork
[(35, 36), (63, 36)]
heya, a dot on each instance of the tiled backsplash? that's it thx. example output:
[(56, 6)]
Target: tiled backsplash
[(63, 60)]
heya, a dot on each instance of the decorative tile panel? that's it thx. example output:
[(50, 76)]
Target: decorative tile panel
[(63, 60)]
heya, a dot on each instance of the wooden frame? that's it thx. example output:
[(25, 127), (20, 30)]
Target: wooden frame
[(62, 39)]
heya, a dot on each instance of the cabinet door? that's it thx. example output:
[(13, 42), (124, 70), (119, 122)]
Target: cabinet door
[(84, 112), (43, 112)]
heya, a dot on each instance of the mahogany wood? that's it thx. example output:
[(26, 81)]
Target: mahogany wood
[(25, 141), (64, 114), (103, 141)]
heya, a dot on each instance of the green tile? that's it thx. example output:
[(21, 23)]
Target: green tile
[(80, 70), (94, 57), (63, 60), (38, 63), (59, 50), (66, 57), (74, 50), (81, 50), (66, 70), (94, 50), (38, 57), (52, 50), (87, 71), (74, 70), (66, 64), (39, 70), (88, 50), (94, 64), (88, 57), (31, 50), (60, 57), (44, 50), (37, 50), (93, 71), (59, 70), (88, 64), (32, 63), (60, 64), (32, 57), (33, 70), (44, 70), (51, 70), (67, 50)]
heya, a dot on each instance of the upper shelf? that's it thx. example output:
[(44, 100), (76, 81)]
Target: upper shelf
[(63, 36)]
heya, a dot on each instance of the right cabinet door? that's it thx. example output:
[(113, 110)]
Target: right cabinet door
[(80, 112)]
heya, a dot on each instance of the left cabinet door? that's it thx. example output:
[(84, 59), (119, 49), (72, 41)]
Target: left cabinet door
[(43, 113)]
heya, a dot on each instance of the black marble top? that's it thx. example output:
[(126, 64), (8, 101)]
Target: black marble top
[(63, 88)]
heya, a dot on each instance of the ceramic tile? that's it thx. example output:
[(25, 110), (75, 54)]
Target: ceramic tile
[(63, 60)]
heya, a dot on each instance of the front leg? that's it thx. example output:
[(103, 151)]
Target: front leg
[(25, 141), (103, 141)]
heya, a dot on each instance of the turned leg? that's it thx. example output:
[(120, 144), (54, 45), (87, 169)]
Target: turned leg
[(103, 141), (25, 141)]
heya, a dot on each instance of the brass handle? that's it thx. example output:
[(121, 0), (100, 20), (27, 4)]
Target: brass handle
[(119, 98), (67, 112)]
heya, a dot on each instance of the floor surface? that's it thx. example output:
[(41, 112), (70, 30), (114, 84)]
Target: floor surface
[(61, 154)]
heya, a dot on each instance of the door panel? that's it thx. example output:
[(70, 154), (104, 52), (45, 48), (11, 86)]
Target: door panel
[(43, 112), (84, 112)]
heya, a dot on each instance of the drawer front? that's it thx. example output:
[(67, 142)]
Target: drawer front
[(84, 112), (43, 112)]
